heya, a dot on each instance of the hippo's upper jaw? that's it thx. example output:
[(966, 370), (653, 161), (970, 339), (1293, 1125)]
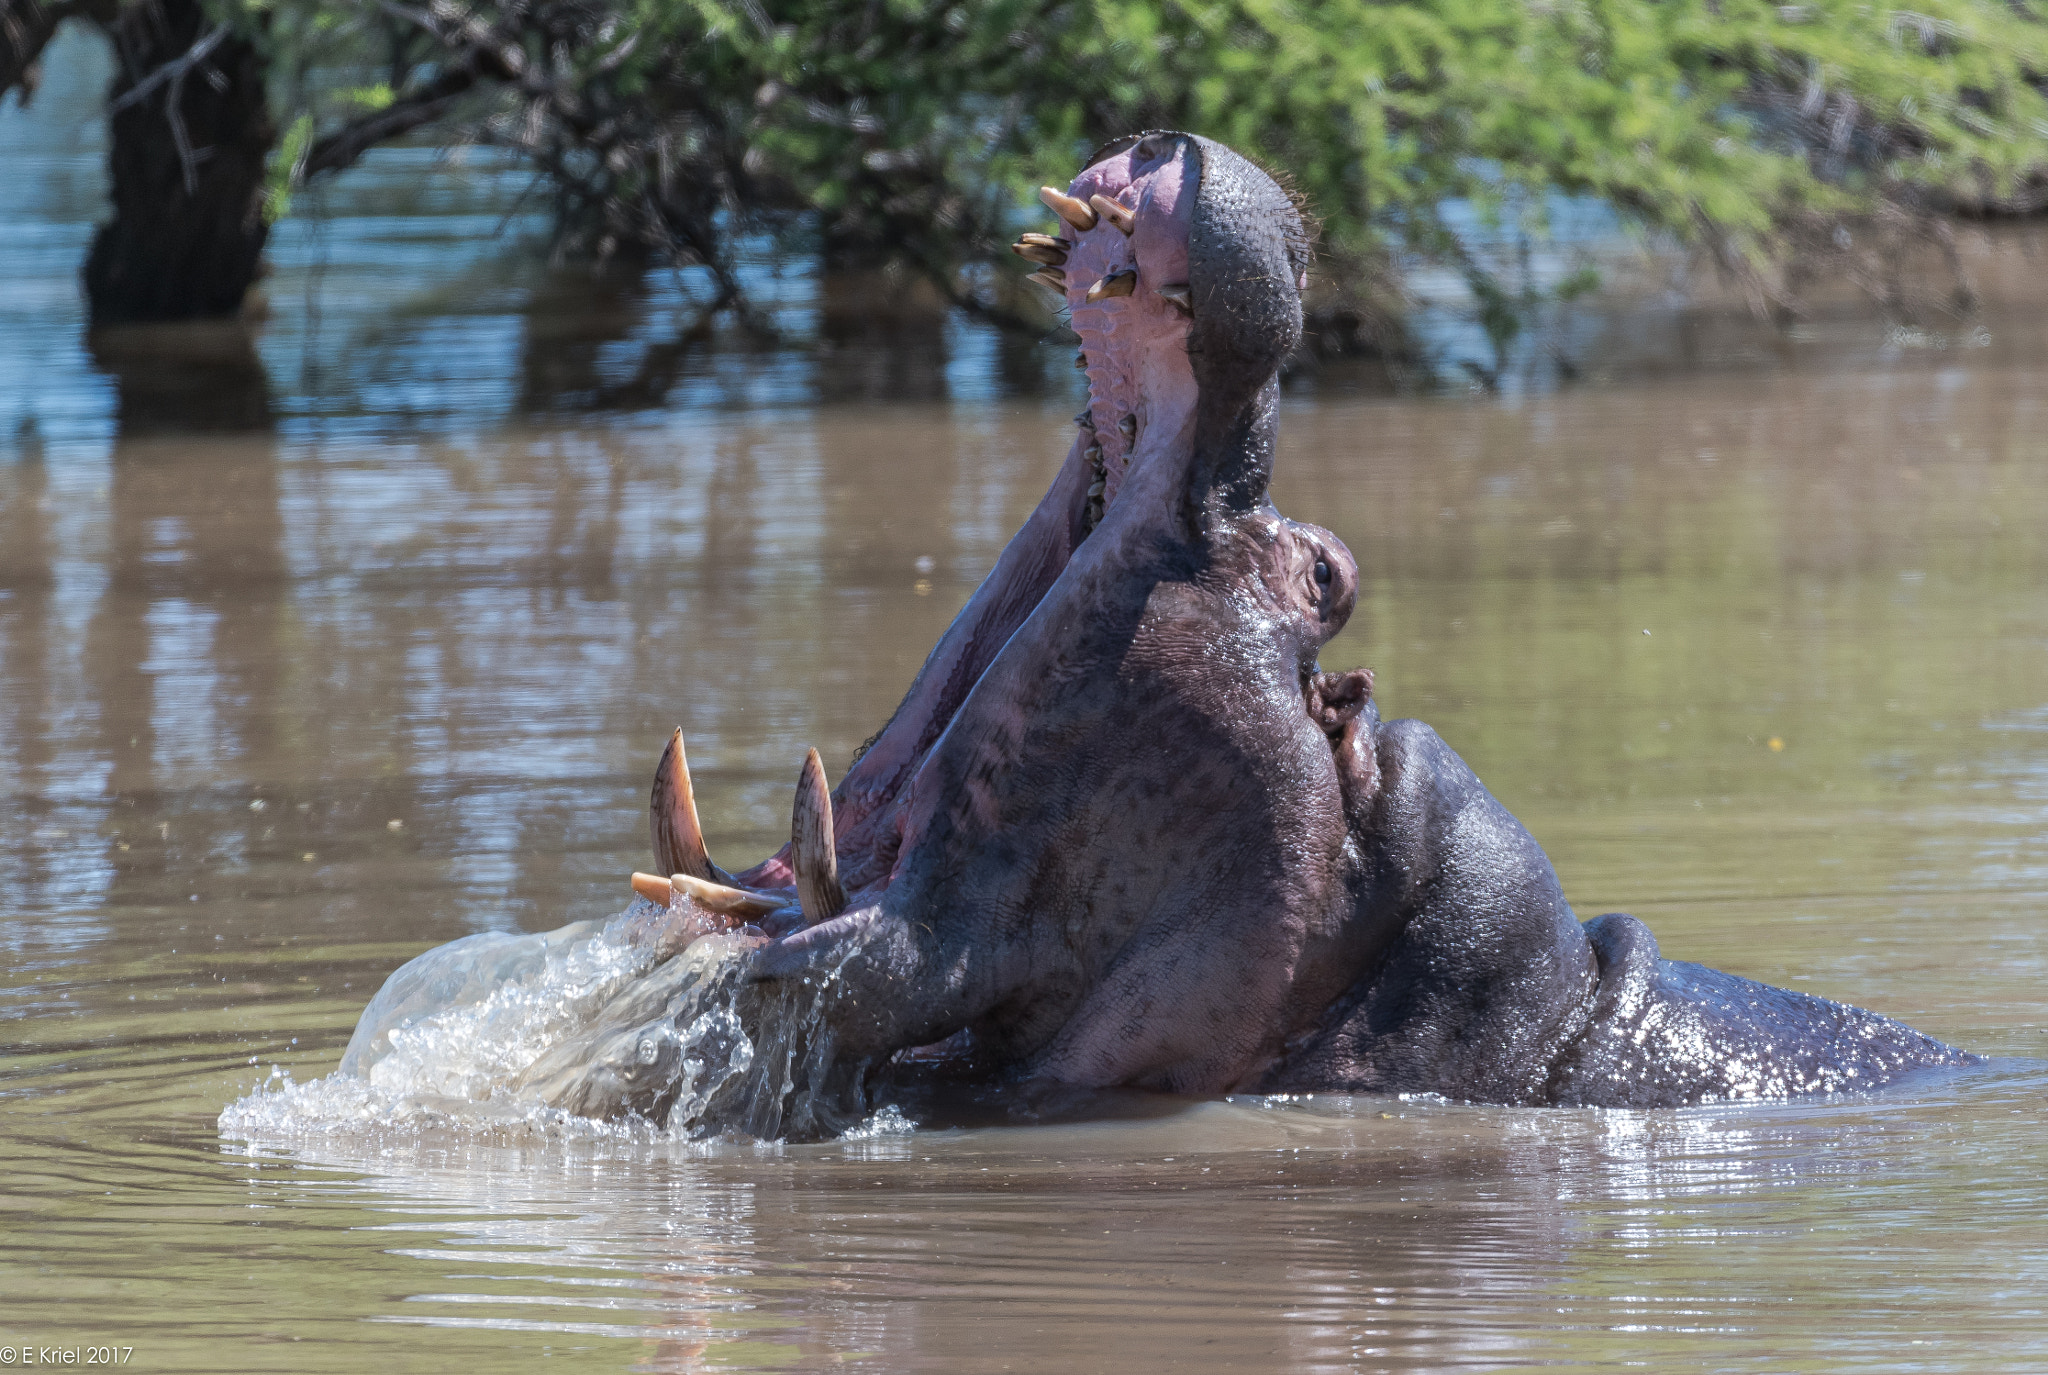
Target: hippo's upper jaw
[(1122, 829)]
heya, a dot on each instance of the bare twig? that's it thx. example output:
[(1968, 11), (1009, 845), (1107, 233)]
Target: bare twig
[(173, 71), (26, 28), (171, 76)]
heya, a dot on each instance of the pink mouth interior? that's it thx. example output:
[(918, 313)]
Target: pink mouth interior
[(1138, 369), (1136, 345)]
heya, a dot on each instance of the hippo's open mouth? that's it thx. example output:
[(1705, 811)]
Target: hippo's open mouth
[(1119, 781), (1124, 831)]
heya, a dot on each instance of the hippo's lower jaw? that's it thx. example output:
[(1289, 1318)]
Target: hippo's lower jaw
[(1124, 831)]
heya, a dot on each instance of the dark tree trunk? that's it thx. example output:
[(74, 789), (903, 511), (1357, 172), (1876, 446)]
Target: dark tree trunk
[(187, 236)]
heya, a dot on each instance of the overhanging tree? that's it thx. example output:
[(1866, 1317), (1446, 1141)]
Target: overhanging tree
[(905, 134)]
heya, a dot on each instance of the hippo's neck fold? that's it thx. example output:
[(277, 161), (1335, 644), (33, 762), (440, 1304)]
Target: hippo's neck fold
[(1232, 463)]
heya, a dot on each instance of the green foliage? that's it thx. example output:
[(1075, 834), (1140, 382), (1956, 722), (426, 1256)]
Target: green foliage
[(376, 96), (914, 130), (282, 173), (1750, 129)]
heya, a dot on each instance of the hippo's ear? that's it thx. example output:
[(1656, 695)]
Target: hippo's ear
[(1247, 252)]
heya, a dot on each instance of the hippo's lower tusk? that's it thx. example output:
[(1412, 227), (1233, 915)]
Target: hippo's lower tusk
[(1180, 296), (1114, 213), (733, 902), (712, 897), (1115, 284), (811, 845), (672, 816), (1045, 241), (1074, 212), (1050, 277), (654, 888)]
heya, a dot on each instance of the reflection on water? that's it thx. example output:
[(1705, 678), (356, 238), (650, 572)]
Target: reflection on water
[(414, 291), (390, 665)]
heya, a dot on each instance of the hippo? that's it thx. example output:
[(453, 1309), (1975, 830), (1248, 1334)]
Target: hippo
[(1124, 832)]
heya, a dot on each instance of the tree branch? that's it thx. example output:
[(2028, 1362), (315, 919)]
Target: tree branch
[(423, 106), (26, 28)]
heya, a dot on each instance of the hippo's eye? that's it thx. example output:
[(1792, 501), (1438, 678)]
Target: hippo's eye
[(1322, 573)]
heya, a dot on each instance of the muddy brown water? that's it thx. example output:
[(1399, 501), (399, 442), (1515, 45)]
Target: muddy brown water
[(1759, 653)]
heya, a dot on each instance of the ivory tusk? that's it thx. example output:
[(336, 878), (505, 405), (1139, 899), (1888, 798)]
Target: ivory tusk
[(1114, 213), (672, 815), (1074, 212), (654, 888), (1039, 253), (734, 902), (1115, 284), (812, 851)]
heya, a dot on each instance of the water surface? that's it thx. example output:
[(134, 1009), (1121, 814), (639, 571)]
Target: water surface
[(1758, 653)]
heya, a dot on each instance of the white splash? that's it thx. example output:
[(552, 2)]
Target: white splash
[(587, 1031)]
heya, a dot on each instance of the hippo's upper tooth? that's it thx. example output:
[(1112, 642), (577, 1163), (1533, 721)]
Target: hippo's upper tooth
[(1074, 212), (1114, 213), (1115, 284), (1039, 253)]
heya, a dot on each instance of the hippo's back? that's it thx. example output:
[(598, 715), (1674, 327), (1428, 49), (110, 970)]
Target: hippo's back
[(1666, 1033)]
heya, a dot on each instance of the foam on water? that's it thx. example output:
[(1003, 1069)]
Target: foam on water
[(592, 1030)]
